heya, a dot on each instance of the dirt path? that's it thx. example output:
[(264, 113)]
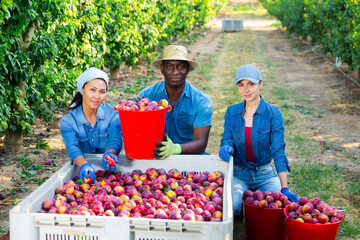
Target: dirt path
[(316, 80)]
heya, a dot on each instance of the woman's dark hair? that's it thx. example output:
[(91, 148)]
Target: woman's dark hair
[(76, 102)]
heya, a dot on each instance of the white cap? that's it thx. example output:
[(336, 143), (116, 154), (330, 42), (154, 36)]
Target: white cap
[(90, 74)]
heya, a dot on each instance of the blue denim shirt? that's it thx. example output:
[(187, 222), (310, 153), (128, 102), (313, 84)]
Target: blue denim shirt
[(80, 137), (267, 135), (194, 109)]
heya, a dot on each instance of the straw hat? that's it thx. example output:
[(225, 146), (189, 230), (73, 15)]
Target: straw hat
[(175, 52)]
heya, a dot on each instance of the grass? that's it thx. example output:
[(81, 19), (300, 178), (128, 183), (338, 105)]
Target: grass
[(3, 228), (350, 155), (277, 24), (322, 180), (280, 92), (303, 146), (303, 109)]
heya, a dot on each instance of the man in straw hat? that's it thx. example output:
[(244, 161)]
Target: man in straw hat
[(188, 124)]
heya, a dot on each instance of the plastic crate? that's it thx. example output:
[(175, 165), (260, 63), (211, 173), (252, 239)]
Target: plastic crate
[(232, 25), (25, 223)]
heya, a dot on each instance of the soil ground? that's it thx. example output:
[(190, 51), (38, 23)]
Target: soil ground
[(305, 74)]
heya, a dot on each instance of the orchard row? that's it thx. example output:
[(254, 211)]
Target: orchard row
[(332, 24), (47, 44)]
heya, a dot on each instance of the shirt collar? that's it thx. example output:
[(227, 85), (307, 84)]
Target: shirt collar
[(260, 110), (81, 119), (186, 90), (162, 87)]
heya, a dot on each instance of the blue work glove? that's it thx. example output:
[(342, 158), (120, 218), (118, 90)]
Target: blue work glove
[(167, 148), (85, 170), (290, 195), (105, 163), (225, 153)]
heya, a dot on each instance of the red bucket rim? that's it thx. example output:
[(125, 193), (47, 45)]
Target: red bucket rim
[(312, 224), (267, 209), (168, 109)]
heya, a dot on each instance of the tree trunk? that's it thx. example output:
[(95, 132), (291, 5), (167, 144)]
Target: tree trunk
[(114, 74), (14, 139), (358, 75)]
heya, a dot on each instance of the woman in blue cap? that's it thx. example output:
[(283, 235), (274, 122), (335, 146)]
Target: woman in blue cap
[(91, 126), (254, 135)]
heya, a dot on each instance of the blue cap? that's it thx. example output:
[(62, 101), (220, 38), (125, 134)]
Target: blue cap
[(90, 74), (248, 72)]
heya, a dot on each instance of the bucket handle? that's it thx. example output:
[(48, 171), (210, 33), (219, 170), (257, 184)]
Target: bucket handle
[(170, 108)]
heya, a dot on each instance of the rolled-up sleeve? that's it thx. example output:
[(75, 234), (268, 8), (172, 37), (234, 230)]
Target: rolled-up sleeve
[(70, 139)]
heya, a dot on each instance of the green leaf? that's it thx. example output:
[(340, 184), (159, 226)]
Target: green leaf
[(79, 181)]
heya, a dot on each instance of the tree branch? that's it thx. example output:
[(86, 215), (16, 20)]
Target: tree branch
[(28, 35)]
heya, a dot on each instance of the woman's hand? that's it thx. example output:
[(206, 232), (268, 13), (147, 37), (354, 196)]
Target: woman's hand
[(290, 195), (225, 153), (86, 171), (107, 157)]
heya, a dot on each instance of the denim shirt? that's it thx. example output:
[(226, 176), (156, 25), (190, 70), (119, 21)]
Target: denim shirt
[(80, 137), (194, 109), (267, 135)]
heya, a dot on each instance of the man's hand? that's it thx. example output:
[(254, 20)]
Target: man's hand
[(167, 148), (137, 99), (87, 170), (109, 161), (290, 195), (225, 153)]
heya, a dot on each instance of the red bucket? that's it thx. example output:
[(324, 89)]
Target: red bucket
[(141, 131), (264, 223), (299, 231)]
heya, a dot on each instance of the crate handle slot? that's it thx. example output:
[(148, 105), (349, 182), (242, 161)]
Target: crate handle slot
[(74, 233)]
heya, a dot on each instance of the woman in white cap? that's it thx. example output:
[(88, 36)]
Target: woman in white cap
[(254, 135), (91, 126)]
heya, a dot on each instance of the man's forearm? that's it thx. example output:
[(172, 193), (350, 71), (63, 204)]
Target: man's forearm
[(194, 146)]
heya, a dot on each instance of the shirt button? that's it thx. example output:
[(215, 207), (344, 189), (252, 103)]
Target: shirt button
[(92, 139)]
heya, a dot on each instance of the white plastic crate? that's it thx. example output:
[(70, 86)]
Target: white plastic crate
[(231, 25), (25, 223)]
